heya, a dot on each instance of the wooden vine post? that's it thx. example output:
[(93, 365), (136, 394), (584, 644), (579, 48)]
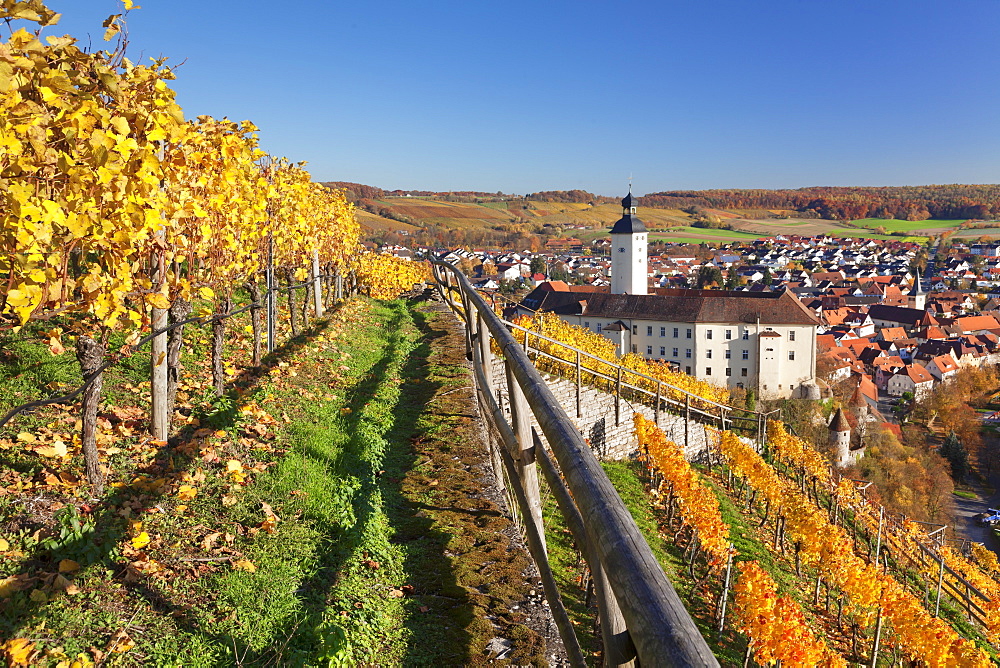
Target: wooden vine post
[(317, 285), (90, 354), (179, 310), (272, 284), (159, 419)]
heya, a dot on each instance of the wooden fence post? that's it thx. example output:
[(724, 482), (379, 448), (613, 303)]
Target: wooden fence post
[(521, 419), (937, 602)]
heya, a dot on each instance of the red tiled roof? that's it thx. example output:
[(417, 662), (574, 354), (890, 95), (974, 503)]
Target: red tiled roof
[(975, 323)]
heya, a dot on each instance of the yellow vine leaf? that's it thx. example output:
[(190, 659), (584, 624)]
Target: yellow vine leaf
[(244, 565)]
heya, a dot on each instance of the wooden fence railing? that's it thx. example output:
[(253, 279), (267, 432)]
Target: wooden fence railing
[(641, 615)]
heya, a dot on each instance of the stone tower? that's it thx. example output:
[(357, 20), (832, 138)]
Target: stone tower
[(629, 270), (840, 439)]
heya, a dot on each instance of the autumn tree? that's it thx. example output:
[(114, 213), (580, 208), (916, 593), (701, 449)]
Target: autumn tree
[(909, 478)]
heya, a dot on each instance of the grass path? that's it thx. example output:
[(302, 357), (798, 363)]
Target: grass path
[(328, 511)]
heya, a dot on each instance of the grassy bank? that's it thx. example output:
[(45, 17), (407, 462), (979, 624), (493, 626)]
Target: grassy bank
[(326, 511)]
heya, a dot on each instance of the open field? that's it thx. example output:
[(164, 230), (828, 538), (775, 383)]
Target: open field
[(929, 226), (851, 233), (698, 234), (991, 232)]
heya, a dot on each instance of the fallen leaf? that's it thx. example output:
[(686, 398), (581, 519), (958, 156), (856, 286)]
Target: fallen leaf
[(186, 492), (396, 593), (234, 469), (423, 608), (228, 501), (14, 583), (140, 541), (62, 584), (4, 545), (26, 437), (268, 510), (38, 596), (371, 563), (68, 566), (209, 540), (120, 642), (244, 565), (19, 651), (56, 346)]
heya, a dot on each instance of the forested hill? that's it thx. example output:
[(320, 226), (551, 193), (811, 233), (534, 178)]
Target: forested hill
[(946, 202), (847, 203)]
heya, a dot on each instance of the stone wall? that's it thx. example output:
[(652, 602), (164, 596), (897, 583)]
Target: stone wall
[(610, 436)]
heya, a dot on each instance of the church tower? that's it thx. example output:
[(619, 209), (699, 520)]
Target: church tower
[(629, 270), (917, 297)]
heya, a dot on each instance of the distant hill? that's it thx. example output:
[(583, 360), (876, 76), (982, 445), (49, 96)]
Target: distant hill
[(849, 203), (692, 216)]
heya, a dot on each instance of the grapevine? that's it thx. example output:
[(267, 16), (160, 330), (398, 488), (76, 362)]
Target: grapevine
[(699, 507), (775, 624)]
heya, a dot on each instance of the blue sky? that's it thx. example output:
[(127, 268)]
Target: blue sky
[(527, 96)]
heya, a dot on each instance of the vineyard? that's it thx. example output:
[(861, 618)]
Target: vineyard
[(816, 574), (120, 216), (828, 545), (125, 229)]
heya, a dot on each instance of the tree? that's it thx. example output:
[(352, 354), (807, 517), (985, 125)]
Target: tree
[(560, 272), (538, 265), (767, 279), (732, 279), (953, 450), (709, 274)]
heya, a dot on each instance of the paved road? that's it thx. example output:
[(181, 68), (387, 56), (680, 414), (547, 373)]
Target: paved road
[(967, 526)]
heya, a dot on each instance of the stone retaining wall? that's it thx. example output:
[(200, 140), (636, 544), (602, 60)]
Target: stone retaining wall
[(610, 438)]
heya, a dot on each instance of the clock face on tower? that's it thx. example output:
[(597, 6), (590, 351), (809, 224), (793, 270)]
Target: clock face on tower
[(621, 250)]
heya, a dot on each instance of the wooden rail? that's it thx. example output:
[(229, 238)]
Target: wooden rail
[(638, 606), (693, 407)]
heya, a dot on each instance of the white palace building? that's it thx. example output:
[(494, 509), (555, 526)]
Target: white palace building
[(760, 340)]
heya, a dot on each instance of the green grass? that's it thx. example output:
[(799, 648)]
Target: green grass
[(369, 558), (965, 495)]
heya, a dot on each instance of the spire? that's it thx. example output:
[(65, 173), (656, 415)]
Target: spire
[(628, 223), (628, 202), (916, 290), (858, 398), (839, 422)]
